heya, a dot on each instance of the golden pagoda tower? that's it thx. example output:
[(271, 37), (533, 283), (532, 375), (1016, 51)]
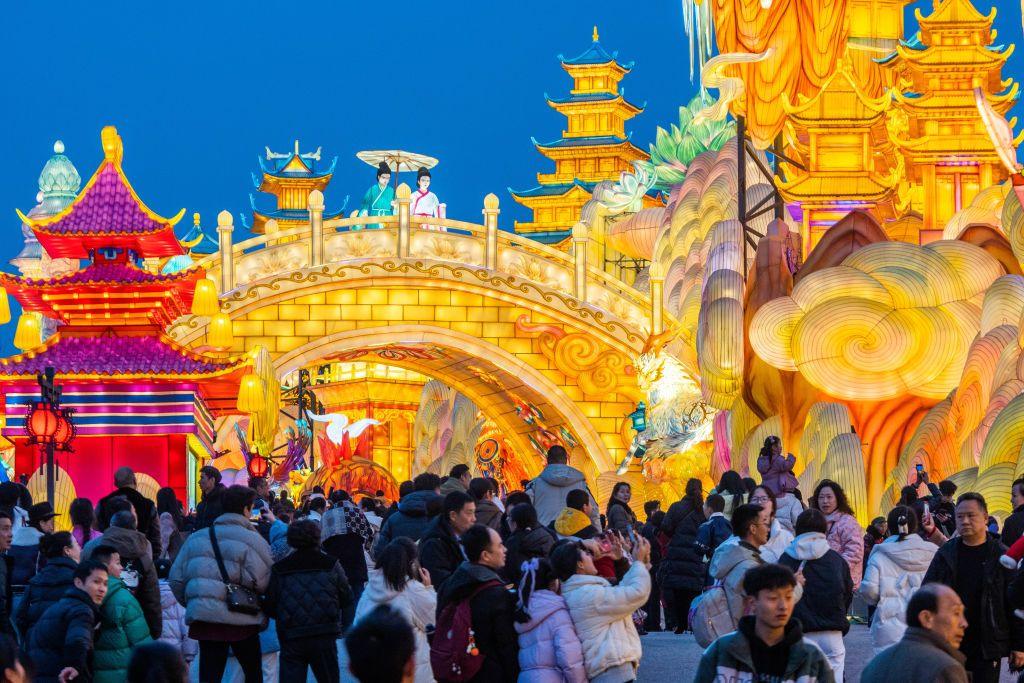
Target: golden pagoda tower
[(594, 146), (840, 137), (290, 177), (937, 128)]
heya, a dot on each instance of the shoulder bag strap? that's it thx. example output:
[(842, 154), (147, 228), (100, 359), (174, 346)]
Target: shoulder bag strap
[(219, 558)]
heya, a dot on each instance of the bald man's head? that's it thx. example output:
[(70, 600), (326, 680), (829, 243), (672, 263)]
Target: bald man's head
[(937, 608)]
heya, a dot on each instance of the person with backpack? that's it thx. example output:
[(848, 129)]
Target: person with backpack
[(527, 541), (827, 586), (398, 581), (713, 532), (768, 645), (139, 572), (306, 595), (603, 613), (895, 569), (475, 639), (682, 569), (122, 625), (62, 554), (549, 649)]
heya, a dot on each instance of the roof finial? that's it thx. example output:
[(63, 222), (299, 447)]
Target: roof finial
[(112, 148), (595, 33), (296, 148), (58, 147), (195, 219)]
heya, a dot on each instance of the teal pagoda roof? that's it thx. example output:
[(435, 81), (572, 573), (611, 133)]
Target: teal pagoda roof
[(586, 141), (553, 190), (595, 54)]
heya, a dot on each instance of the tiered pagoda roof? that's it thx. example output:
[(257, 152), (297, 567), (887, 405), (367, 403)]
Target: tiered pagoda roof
[(290, 177), (594, 147), (112, 311)]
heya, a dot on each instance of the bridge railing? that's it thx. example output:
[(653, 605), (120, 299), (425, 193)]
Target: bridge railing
[(404, 236)]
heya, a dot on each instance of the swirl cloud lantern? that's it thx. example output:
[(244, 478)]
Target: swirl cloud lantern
[(892, 319)]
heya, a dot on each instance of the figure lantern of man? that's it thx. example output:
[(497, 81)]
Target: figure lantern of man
[(50, 426)]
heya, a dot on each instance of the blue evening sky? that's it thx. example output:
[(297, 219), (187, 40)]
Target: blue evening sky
[(197, 89)]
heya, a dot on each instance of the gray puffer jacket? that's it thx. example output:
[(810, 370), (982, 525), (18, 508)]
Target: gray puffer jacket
[(549, 489), (196, 580)]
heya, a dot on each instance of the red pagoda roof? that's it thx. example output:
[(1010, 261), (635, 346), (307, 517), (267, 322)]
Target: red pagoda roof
[(107, 213), (118, 357), (104, 274)]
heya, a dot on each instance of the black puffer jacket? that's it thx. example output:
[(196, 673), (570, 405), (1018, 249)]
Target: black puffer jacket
[(409, 520), (63, 637), (1000, 630), (440, 552), (307, 592), (43, 590), (682, 567), (145, 510), (491, 613), (526, 544), (828, 586), (348, 550), (210, 507)]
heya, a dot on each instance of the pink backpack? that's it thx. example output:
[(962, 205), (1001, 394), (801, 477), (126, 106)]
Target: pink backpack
[(454, 656)]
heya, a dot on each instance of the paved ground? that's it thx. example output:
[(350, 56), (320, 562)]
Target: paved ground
[(668, 657)]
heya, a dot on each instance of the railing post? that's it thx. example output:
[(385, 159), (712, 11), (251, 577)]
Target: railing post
[(227, 256), (316, 228), (491, 223), (403, 198), (579, 254), (657, 278)]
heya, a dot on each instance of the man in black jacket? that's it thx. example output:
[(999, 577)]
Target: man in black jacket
[(1013, 527), (212, 504), (6, 535), (306, 595), (61, 645), (491, 609), (440, 552), (145, 509), (969, 564)]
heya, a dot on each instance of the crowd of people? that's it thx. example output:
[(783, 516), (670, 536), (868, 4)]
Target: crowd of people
[(460, 581)]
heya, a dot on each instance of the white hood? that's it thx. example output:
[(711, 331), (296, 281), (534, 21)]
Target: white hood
[(912, 554), (809, 546), (377, 589)]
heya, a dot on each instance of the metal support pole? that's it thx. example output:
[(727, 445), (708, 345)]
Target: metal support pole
[(51, 479), (741, 175), (780, 207)]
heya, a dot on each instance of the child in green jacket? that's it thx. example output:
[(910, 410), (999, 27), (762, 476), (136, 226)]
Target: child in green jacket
[(122, 624)]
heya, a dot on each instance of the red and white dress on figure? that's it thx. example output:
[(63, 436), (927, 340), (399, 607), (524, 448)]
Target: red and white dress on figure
[(425, 203)]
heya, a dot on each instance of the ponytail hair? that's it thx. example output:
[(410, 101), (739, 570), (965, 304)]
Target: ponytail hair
[(537, 575), (902, 521)]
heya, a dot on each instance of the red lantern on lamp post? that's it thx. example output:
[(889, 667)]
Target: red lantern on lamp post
[(258, 466), (42, 422), (49, 425)]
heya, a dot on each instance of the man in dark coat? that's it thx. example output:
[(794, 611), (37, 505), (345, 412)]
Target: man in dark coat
[(212, 504), (491, 609), (6, 535), (928, 650), (527, 541), (969, 564), (411, 517), (440, 552), (60, 647), (145, 509), (139, 573), (1013, 527), (306, 595), (682, 568)]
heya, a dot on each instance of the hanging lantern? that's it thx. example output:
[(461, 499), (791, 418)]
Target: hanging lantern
[(250, 394), (204, 301), (29, 334), (42, 422), (258, 466), (220, 333), (65, 432), (5, 307)]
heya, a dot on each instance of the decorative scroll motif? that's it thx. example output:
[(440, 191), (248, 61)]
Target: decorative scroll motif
[(596, 368), (395, 352)]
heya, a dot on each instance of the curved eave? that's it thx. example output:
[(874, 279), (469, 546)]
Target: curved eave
[(9, 281), (156, 244), (876, 104), (37, 223)]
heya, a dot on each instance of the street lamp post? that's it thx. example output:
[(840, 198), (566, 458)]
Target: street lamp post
[(50, 426)]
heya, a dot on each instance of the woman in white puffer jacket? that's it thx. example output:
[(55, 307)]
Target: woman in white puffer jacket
[(601, 612), (399, 582), (896, 568)]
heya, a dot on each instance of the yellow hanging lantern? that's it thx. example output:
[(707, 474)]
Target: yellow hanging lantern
[(220, 333), (5, 307), (250, 394), (204, 301), (29, 334)]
